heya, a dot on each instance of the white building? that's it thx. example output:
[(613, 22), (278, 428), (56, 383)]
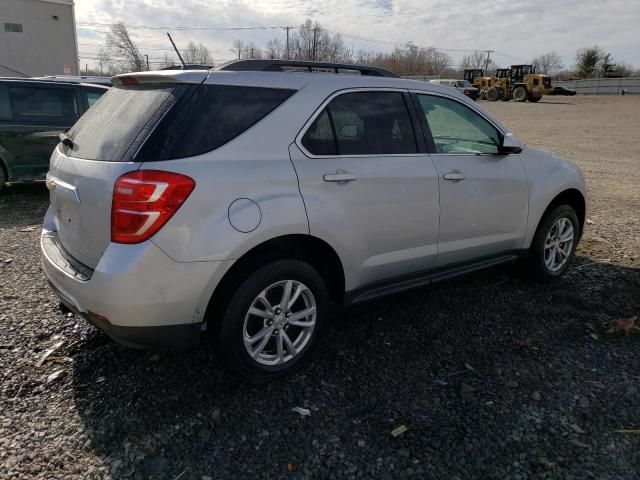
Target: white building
[(37, 37)]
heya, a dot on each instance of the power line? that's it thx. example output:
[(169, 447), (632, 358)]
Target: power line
[(152, 27)]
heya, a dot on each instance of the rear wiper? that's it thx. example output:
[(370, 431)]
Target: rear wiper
[(66, 140)]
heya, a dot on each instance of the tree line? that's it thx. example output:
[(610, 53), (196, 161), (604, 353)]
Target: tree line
[(311, 41)]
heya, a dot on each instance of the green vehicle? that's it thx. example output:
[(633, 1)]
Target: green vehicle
[(32, 115)]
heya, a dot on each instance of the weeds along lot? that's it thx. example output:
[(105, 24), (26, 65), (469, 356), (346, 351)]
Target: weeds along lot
[(492, 375)]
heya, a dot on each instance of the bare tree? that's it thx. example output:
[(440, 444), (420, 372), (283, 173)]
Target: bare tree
[(105, 62), (275, 49), (168, 61), (548, 63), (120, 44), (476, 59), (197, 54)]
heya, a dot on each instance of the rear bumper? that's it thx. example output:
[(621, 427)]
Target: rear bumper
[(136, 294)]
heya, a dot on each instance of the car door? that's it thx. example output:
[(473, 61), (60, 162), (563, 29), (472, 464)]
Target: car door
[(38, 113), (369, 188), (483, 194)]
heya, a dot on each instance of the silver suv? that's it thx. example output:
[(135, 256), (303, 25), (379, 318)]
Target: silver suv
[(245, 201)]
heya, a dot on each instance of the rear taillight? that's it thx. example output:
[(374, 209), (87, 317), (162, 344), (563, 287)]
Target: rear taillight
[(143, 201)]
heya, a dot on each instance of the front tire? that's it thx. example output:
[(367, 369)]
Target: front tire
[(493, 94), (274, 321), (520, 94), (554, 244)]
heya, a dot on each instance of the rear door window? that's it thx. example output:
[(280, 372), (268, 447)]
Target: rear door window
[(208, 117), (42, 104), (366, 123)]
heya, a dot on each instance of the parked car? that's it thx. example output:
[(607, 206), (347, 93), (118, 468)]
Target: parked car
[(32, 115), (462, 86), (244, 203)]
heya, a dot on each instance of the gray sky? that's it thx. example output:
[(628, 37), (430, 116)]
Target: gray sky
[(517, 29)]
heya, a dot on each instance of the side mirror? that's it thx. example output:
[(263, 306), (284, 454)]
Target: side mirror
[(510, 144)]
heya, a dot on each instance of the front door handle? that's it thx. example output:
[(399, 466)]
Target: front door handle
[(454, 176), (339, 177)]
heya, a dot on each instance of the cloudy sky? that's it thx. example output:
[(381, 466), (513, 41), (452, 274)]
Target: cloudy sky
[(516, 29)]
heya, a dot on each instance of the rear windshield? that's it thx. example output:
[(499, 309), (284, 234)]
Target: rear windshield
[(112, 129), (163, 122)]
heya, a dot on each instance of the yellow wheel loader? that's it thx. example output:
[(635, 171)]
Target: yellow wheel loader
[(520, 83)]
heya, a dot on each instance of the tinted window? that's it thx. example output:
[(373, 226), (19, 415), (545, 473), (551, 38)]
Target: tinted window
[(31, 103), (109, 129), (93, 95), (5, 106), (372, 123), (458, 129), (209, 117), (319, 139)]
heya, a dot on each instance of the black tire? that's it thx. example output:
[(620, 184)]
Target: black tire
[(520, 94), (534, 99), (3, 177), (493, 94), (231, 343), (536, 257)]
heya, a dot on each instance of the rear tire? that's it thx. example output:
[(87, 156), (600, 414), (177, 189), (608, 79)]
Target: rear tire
[(554, 244), (3, 178), (257, 340), (520, 94)]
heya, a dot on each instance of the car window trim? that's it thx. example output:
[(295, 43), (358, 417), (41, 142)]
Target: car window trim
[(337, 93), (429, 136)]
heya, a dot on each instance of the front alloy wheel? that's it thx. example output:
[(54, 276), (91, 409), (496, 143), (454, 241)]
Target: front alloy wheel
[(558, 244), (554, 243)]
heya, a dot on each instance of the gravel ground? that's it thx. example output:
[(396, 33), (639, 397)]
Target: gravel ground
[(492, 376)]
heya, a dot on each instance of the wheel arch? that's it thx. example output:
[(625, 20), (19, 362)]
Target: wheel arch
[(572, 197), (308, 248)]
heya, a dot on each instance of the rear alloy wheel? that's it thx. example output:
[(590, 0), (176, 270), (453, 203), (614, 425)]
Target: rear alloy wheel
[(493, 94), (274, 320), (520, 94), (534, 99), (554, 244)]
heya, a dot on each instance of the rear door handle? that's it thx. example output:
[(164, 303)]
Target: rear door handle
[(454, 176), (339, 177)]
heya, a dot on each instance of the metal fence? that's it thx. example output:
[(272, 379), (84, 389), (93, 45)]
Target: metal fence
[(609, 86)]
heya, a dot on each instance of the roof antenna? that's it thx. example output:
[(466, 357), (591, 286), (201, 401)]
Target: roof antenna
[(177, 51)]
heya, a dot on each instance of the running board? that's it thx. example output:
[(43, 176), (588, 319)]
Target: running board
[(421, 279)]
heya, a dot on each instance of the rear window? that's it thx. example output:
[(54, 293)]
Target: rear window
[(208, 117), (114, 127)]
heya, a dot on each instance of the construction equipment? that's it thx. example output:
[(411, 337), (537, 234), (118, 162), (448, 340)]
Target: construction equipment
[(520, 83), (476, 77)]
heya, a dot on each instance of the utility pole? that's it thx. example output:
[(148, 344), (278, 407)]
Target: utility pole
[(486, 63), (315, 34), (147, 57), (288, 28)]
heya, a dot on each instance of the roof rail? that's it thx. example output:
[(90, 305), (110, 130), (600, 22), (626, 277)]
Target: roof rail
[(282, 65)]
